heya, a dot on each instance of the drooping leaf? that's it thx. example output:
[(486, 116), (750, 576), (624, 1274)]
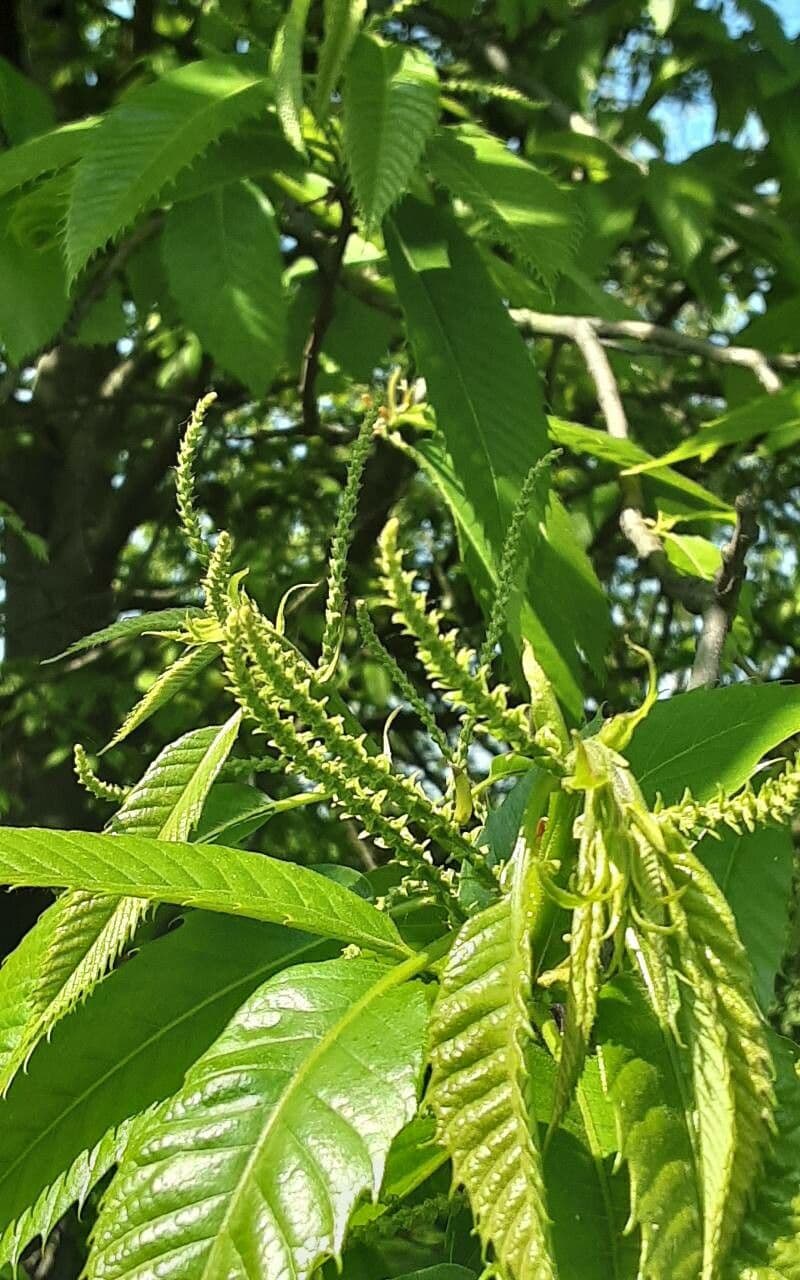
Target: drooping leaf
[(754, 871), (105, 321), (525, 209), (254, 1168), (391, 101), (478, 1090), (48, 151), (236, 303), (342, 21), (625, 454), (141, 624), (487, 398), (711, 738), (499, 834), (71, 947), (18, 979), (727, 1039), (63, 1124), (256, 150), (34, 300), (643, 1079), (355, 344), (769, 1247), (286, 66), (197, 875), (587, 1196), (76, 942), (413, 1157), (764, 415), (179, 673), (587, 931), (141, 145)]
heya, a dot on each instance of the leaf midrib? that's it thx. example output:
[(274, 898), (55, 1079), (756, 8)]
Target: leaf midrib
[(455, 365), (31, 1032), (226, 898), (393, 977)]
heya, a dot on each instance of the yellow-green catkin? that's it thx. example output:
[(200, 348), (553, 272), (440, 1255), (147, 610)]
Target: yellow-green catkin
[(185, 478), (89, 780), (374, 648), (511, 560), (776, 801), (449, 666), (340, 546)]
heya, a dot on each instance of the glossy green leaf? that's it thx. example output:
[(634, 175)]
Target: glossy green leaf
[(80, 937), (355, 344), (414, 1156), (725, 1034), (391, 102), (643, 1078), (711, 738), (256, 149), (253, 1169), (198, 875), (168, 801), (105, 321), (479, 1088), (232, 812), (524, 208), (124, 1049), (487, 398), (144, 141), (18, 988), (69, 950), (236, 303), (587, 1195), (693, 555)]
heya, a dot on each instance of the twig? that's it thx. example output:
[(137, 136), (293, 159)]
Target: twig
[(690, 592), (719, 615), (716, 602), (758, 362), (329, 274)]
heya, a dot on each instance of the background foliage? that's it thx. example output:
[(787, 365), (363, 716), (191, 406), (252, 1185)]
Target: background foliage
[(290, 205)]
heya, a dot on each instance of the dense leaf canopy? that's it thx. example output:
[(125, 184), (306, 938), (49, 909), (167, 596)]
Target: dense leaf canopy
[(446, 915)]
